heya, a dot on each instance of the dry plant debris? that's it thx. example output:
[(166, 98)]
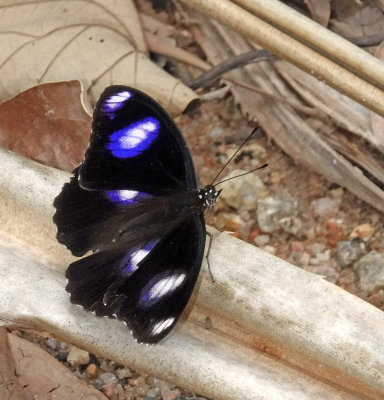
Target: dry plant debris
[(302, 214)]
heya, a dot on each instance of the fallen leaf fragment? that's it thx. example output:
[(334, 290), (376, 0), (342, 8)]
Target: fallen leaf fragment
[(48, 124), (99, 42), (43, 377)]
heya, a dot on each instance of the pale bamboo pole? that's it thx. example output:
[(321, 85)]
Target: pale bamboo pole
[(281, 44), (311, 32)]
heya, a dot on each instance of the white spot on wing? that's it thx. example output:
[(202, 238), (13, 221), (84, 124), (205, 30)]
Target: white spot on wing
[(127, 194), (164, 286), (138, 256), (162, 325)]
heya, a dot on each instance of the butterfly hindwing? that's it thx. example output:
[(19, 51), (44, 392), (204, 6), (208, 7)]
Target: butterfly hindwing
[(135, 145), (147, 286)]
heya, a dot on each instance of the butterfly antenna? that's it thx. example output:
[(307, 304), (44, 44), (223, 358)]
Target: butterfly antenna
[(245, 173), (245, 141)]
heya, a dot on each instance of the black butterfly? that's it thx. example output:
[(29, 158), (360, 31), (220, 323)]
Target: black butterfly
[(134, 202)]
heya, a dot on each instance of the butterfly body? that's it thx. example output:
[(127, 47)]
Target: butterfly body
[(134, 202)]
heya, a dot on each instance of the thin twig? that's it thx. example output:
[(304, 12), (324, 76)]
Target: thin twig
[(228, 65)]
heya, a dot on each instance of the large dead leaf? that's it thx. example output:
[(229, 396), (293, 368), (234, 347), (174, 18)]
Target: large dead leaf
[(99, 42), (48, 124), (43, 377)]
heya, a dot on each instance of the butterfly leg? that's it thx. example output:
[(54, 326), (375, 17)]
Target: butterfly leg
[(210, 236)]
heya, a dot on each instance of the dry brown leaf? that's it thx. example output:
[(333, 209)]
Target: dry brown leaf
[(360, 21), (43, 377), (10, 388), (345, 112), (48, 124), (320, 10), (99, 42)]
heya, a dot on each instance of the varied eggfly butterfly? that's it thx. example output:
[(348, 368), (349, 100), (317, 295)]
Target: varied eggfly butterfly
[(134, 202)]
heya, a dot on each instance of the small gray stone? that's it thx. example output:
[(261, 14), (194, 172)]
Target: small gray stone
[(272, 209), (291, 224), (154, 392), (243, 193), (52, 343), (97, 383), (216, 132), (349, 251), (261, 240), (321, 258), (163, 386), (108, 377), (326, 206), (370, 269)]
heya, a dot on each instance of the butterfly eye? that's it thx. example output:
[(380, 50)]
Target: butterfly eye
[(134, 139)]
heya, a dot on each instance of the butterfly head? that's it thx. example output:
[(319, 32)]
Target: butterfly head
[(208, 196)]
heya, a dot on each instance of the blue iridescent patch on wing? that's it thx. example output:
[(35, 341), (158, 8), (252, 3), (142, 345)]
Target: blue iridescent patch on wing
[(115, 102), (134, 139), (125, 196), (130, 263), (160, 286)]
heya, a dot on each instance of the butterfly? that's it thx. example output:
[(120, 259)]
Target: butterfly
[(134, 202)]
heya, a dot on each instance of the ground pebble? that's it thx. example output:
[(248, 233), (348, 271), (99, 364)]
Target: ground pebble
[(97, 383), (122, 373), (269, 249), (162, 385), (291, 224), (52, 343), (370, 269), (301, 259), (349, 251), (109, 389), (363, 231), (120, 390), (108, 377), (272, 209), (77, 357), (325, 207), (243, 193), (171, 395), (261, 240), (321, 258), (91, 371), (154, 392), (139, 381), (216, 132)]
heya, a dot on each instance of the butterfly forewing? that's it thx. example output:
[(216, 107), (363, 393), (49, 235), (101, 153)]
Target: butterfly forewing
[(135, 145), (134, 202)]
